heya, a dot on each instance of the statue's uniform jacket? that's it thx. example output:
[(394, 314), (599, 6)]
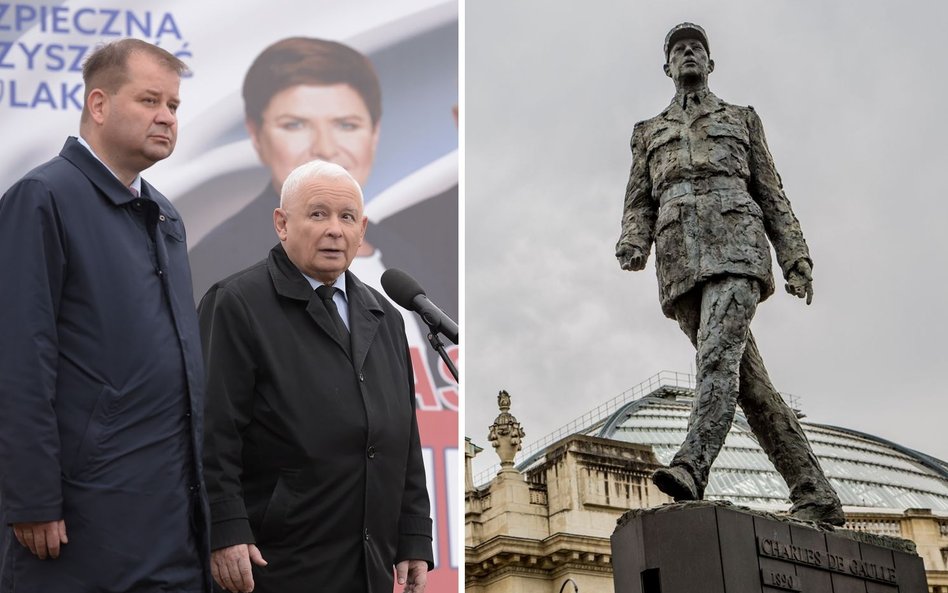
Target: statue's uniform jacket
[(703, 186)]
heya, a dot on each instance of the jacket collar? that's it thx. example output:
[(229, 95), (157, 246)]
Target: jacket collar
[(365, 311), (106, 182), (709, 103), (98, 174), (287, 280)]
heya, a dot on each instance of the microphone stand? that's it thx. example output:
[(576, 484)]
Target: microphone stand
[(435, 341)]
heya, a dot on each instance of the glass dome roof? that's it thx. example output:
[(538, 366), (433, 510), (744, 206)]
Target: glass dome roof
[(866, 471)]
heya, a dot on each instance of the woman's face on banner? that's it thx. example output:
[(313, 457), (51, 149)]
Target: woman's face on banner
[(303, 123)]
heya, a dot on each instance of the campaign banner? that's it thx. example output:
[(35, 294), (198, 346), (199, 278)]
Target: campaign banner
[(241, 130)]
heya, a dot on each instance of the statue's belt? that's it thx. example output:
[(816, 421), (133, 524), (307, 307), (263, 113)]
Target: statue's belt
[(700, 186)]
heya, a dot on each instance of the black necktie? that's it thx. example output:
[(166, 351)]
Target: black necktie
[(325, 293)]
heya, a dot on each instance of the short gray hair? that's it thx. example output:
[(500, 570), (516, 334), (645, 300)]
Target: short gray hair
[(311, 170)]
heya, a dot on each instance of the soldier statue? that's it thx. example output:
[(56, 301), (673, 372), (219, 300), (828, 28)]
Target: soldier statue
[(703, 186)]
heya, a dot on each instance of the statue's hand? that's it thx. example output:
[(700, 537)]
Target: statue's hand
[(631, 258), (800, 281)]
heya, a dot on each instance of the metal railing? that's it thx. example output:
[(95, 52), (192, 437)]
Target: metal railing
[(597, 414)]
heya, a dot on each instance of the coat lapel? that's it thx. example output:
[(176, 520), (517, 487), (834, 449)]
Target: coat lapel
[(364, 314), (290, 283), (674, 113), (317, 310)]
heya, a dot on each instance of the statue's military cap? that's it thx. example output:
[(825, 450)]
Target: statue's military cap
[(686, 31)]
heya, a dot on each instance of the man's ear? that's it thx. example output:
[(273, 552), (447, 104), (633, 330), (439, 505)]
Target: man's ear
[(98, 105), (710, 66), (667, 70), (279, 223)]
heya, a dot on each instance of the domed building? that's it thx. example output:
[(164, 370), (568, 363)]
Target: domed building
[(545, 522)]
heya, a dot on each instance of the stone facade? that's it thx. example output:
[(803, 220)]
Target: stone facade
[(533, 532), (529, 533)]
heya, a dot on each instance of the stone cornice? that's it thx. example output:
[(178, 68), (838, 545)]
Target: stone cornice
[(505, 554)]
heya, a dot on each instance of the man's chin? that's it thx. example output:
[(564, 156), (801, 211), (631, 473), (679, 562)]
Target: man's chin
[(157, 153), (331, 267)]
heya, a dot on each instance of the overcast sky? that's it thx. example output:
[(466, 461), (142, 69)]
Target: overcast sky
[(854, 104)]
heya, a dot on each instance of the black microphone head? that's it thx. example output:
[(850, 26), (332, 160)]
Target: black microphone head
[(400, 287)]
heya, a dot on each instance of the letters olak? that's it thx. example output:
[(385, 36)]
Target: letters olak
[(778, 550), (60, 96)]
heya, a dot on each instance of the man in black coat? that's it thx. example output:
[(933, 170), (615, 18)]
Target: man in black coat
[(101, 378), (313, 462)]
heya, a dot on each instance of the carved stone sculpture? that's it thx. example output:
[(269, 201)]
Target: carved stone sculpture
[(506, 435)]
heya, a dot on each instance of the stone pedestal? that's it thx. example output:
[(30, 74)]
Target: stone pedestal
[(712, 547)]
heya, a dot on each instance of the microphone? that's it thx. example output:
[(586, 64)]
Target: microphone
[(405, 290)]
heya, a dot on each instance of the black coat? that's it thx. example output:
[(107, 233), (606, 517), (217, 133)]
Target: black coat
[(101, 385), (313, 456)]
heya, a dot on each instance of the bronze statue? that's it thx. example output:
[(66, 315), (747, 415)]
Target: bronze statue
[(703, 186)]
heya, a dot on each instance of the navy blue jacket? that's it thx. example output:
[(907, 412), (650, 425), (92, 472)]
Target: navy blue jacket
[(101, 385)]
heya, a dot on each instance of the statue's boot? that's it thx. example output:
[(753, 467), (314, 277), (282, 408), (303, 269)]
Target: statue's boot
[(828, 512), (675, 481)]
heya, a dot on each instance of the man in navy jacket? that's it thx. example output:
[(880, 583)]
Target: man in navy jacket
[(101, 380)]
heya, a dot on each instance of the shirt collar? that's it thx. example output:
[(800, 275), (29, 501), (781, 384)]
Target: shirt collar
[(698, 96), (340, 283), (136, 183)]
